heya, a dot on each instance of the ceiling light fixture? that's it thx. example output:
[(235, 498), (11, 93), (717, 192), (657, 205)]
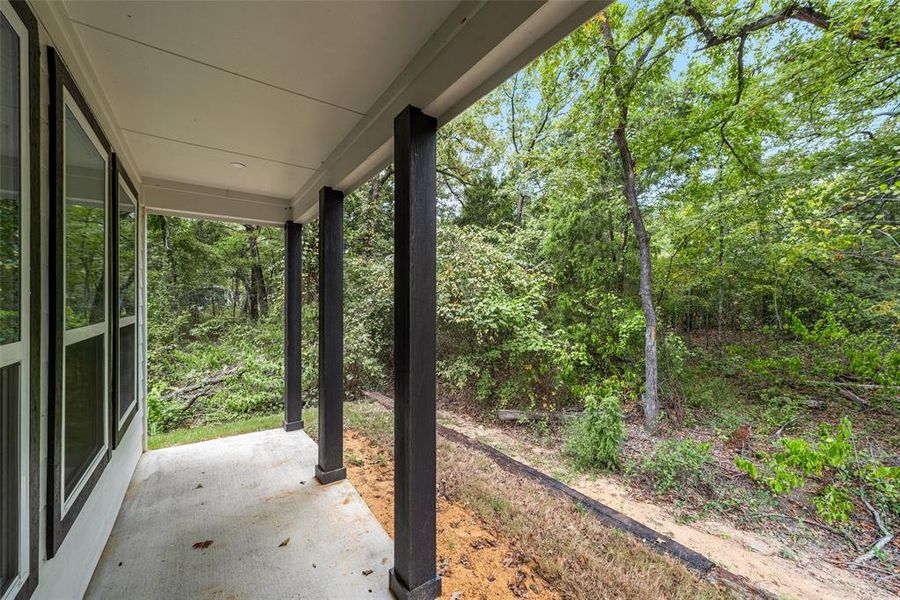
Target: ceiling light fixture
[(238, 165)]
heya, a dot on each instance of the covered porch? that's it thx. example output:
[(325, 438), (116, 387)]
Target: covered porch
[(261, 524), (263, 113)]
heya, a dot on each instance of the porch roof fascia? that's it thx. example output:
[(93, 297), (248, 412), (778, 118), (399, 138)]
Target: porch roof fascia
[(165, 197)]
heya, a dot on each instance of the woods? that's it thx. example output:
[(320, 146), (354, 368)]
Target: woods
[(684, 215)]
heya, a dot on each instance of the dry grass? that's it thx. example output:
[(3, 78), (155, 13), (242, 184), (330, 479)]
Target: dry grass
[(575, 553), (579, 556)]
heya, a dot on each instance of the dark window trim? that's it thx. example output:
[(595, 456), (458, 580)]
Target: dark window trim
[(34, 327), (117, 432), (57, 525)]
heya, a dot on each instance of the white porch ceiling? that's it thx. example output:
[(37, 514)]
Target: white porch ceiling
[(302, 93)]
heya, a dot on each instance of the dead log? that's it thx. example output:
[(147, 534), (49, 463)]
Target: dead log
[(852, 397), (196, 390), (536, 415)]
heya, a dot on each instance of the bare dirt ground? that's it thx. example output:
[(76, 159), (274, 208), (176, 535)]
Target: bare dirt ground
[(474, 562), (756, 555)]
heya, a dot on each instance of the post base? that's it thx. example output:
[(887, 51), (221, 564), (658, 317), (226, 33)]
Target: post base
[(427, 591), (326, 477), (293, 425)]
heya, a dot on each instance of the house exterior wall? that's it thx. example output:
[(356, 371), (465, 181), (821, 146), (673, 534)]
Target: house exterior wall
[(68, 573)]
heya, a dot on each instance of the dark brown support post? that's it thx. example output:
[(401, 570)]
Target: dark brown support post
[(331, 337), (414, 574), (293, 257)]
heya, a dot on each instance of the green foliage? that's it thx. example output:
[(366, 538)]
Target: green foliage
[(676, 464), (790, 468), (595, 439), (832, 461), (833, 504), (883, 485), (490, 303)]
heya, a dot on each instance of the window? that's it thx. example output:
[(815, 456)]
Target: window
[(85, 253), (126, 399), (15, 281), (81, 303)]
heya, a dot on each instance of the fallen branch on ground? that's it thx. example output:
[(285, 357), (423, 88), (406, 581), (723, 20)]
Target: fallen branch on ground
[(786, 425), (881, 543), (821, 526), (535, 415), (197, 390), (852, 397), (865, 386)]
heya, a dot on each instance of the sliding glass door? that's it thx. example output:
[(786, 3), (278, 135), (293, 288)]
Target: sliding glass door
[(85, 435), (14, 302)]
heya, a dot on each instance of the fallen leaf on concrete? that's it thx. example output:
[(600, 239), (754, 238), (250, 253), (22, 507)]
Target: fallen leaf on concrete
[(284, 543), (368, 572), (202, 545)]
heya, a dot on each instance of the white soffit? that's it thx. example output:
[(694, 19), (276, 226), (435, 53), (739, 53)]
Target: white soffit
[(343, 52), (196, 86), (302, 93)]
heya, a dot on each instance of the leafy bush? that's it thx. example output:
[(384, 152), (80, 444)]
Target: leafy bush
[(833, 462), (798, 460), (595, 439), (833, 504), (676, 463), (491, 335)]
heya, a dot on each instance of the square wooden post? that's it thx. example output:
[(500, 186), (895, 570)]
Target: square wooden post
[(414, 574), (331, 337), (293, 260)]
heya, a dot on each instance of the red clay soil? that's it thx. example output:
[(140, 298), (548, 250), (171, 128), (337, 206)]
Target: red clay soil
[(474, 562)]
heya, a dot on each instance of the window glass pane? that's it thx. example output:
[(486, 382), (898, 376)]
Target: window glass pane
[(9, 475), (126, 254), (10, 184), (85, 184), (83, 408), (126, 369)]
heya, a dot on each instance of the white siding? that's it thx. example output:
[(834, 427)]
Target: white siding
[(67, 575)]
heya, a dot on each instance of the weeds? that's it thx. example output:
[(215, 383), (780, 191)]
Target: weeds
[(675, 463), (595, 440)]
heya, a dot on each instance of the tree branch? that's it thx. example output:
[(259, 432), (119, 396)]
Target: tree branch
[(804, 13)]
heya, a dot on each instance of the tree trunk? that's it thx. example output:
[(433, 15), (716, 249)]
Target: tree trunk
[(251, 304), (234, 296), (520, 209), (170, 251), (651, 371), (256, 288), (721, 300)]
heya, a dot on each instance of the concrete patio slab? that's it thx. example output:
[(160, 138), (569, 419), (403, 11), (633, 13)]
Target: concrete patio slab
[(275, 532)]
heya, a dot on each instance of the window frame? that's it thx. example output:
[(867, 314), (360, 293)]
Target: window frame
[(62, 512), (120, 426), (28, 355), (27, 351)]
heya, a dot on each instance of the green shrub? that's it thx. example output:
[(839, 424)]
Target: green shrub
[(676, 463), (595, 439), (799, 459), (833, 504), (833, 461)]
